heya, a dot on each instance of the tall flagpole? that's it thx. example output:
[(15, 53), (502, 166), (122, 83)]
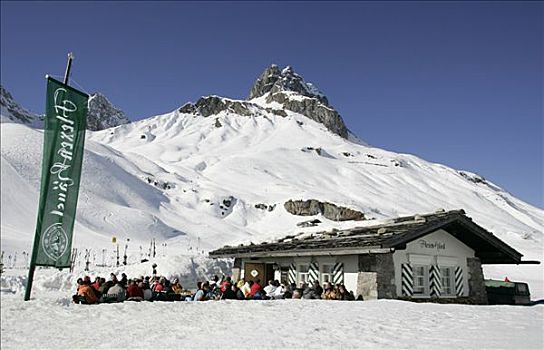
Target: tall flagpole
[(35, 250), (68, 67)]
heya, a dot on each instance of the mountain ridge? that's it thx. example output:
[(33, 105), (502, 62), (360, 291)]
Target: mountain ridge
[(11, 110), (102, 113)]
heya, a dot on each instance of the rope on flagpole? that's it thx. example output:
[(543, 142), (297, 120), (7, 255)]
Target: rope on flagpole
[(79, 86), (72, 80)]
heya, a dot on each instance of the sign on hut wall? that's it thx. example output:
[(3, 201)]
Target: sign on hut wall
[(438, 245)]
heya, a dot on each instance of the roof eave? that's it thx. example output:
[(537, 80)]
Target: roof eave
[(492, 239), (510, 262), (303, 252)]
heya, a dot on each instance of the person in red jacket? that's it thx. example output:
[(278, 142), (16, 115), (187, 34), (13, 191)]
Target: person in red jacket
[(96, 283), (134, 291), (256, 289), (158, 285), (226, 285)]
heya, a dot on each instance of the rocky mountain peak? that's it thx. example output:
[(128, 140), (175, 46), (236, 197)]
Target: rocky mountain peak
[(274, 80), (284, 87), (13, 111), (103, 114), (265, 82), (289, 89)]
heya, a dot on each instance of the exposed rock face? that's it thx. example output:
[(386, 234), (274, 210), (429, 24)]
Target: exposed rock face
[(335, 213), (313, 109), (262, 206), (265, 82), (273, 80), (282, 86), (329, 210), (13, 111), (477, 179), (290, 90), (212, 105), (304, 208), (309, 223), (102, 114)]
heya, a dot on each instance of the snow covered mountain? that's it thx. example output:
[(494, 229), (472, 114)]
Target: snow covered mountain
[(102, 113), (11, 111), (224, 171)]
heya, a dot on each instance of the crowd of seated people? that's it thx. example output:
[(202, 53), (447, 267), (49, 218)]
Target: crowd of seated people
[(118, 290), (244, 290), (161, 289)]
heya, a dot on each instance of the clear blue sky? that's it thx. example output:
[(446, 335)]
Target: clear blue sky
[(457, 83)]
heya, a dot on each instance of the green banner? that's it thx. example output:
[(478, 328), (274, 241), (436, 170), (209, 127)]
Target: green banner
[(64, 137)]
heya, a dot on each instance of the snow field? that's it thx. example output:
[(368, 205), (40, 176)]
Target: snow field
[(50, 318)]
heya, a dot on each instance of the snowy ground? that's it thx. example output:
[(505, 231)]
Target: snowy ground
[(50, 320)]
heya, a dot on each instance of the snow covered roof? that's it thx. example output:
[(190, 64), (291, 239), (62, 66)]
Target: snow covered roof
[(391, 234)]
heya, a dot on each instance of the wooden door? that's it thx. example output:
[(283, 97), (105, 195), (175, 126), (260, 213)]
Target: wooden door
[(253, 272), (269, 274)]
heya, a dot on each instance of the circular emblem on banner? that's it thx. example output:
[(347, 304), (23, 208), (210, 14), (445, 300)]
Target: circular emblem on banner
[(254, 273), (55, 241)]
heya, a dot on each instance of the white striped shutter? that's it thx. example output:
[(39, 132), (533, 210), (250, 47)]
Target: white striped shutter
[(407, 280), (459, 281), (435, 281), (313, 272), (292, 274), (338, 273)]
